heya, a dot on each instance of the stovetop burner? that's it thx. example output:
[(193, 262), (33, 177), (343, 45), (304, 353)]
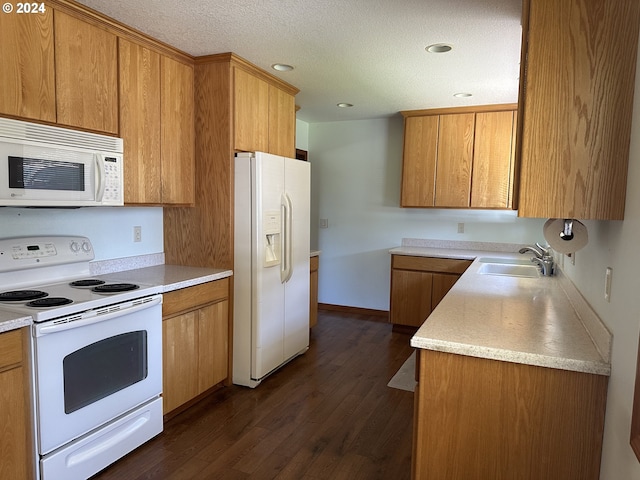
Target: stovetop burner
[(21, 295), (115, 287), (49, 302), (87, 282)]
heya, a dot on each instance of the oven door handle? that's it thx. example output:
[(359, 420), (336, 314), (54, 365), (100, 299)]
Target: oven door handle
[(96, 316)]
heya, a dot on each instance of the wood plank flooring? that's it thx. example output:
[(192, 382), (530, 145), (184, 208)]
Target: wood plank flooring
[(326, 415)]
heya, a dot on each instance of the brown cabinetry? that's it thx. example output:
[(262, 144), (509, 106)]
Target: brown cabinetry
[(577, 106), (313, 291), (27, 73), (86, 71), (156, 121), (230, 96), (264, 116), (195, 341), (459, 158), (418, 284), (481, 418), (16, 447)]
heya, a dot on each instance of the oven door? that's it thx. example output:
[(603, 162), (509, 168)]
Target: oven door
[(92, 370)]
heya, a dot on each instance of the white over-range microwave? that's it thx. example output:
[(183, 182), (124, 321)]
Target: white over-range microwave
[(45, 166)]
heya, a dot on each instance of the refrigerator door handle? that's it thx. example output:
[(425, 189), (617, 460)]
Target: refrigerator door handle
[(286, 268)]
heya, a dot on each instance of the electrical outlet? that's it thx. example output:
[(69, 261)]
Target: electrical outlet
[(137, 234), (324, 223), (461, 228)]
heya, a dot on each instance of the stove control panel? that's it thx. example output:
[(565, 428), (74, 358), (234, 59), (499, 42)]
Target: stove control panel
[(32, 252)]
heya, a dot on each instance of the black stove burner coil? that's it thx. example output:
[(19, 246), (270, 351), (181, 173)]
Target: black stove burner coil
[(115, 287), (21, 295), (50, 302), (89, 282)]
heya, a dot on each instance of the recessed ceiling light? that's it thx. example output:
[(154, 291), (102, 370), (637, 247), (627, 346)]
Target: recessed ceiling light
[(345, 105), (439, 48), (462, 95), (282, 67)]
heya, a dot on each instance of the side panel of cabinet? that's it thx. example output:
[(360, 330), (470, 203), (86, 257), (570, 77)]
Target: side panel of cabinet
[(578, 103), (251, 112), (410, 297), (492, 160), (213, 348), (177, 132), (27, 73), (313, 291), (180, 360), (86, 62), (419, 161), (140, 122), (455, 159)]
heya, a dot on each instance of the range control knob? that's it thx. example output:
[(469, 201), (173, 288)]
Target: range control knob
[(86, 247), (75, 247)]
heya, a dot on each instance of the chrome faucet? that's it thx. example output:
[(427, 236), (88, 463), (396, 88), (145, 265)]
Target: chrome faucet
[(543, 258)]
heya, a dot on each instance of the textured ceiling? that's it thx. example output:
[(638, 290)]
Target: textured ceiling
[(370, 53)]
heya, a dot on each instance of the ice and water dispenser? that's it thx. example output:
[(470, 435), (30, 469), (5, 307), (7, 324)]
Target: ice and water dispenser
[(272, 232)]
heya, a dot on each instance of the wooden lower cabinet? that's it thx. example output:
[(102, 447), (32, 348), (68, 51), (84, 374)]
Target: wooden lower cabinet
[(313, 291), (16, 446), (418, 284), (195, 341), (476, 418)]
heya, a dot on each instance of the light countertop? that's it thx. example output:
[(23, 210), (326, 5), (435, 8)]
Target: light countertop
[(536, 321)]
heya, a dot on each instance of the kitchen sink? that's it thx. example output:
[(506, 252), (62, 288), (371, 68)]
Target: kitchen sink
[(510, 270), (506, 261)]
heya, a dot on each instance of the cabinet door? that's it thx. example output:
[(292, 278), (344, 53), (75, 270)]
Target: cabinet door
[(27, 76), (15, 445), (442, 283), (410, 297), (419, 161), (493, 160), (213, 345), (180, 360), (251, 112), (140, 122), (578, 103), (455, 158), (177, 132), (86, 62), (282, 123)]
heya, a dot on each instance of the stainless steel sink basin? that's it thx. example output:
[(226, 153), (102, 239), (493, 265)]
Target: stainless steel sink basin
[(505, 261), (510, 270)]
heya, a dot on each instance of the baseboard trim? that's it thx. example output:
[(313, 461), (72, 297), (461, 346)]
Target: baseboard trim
[(354, 310)]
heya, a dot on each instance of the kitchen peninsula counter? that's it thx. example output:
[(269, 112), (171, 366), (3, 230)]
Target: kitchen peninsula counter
[(534, 321)]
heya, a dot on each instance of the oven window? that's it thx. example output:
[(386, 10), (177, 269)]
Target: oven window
[(37, 174), (102, 368)]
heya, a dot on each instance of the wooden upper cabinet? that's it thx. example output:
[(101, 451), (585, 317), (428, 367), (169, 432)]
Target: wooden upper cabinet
[(177, 132), (419, 161), (455, 158), (27, 73), (86, 66), (140, 122), (459, 157), (493, 160), (251, 112), (577, 107), (282, 123)]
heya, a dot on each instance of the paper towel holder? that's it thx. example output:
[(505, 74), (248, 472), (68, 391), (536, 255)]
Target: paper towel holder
[(567, 232)]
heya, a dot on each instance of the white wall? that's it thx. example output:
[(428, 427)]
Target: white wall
[(355, 175), (110, 229)]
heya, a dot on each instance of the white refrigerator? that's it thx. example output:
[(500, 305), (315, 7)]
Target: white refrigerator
[(271, 264)]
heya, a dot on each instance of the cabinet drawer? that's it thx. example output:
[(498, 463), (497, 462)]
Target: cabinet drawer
[(430, 264), (192, 297), (313, 264), (10, 348)]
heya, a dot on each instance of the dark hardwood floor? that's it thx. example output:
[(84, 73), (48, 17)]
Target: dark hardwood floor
[(326, 415)]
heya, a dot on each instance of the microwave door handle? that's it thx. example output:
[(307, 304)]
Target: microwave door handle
[(100, 177)]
